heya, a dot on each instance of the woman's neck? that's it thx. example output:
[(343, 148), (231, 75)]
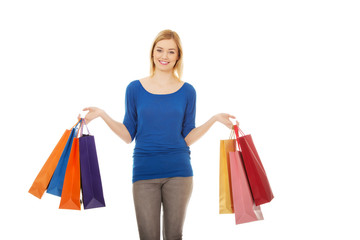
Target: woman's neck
[(163, 78)]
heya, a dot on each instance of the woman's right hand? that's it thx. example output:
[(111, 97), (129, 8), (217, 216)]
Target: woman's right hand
[(93, 113)]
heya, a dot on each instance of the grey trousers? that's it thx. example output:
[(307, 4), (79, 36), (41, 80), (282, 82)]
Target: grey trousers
[(173, 194)]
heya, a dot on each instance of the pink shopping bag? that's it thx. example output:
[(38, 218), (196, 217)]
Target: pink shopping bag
[(244, 205)]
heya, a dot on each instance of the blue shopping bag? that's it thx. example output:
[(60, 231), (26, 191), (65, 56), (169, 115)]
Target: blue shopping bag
[(57, 180)]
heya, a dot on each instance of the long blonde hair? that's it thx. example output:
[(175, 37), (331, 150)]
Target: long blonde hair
[(178, 67)]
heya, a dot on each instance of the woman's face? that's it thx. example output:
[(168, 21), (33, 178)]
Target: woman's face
[(165, 54)]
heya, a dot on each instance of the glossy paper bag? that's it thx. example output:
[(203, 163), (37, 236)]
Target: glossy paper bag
[(225, 198), (90, 173), (259, 183), (70, 197), (57, 180), (42, 180), (244, 206)]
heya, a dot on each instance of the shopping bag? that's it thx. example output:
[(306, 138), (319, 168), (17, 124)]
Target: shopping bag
[(57, 180), (259, 183), (244, 206), (225, 197), (70, 196), (43, 178), (92, 191)]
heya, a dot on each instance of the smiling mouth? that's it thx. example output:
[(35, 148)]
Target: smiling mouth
[(163, 63)]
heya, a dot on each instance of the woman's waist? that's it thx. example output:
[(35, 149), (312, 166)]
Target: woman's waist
[(161, 145), (160, 152), (148, 150)]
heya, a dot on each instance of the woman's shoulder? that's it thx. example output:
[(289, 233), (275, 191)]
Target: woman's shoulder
[(134, 84), (189, 87)]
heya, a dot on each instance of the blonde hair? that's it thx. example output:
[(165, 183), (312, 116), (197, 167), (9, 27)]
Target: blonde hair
[(178, 67)]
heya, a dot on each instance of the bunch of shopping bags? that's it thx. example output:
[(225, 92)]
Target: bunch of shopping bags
[(71, 169), (244, 185)]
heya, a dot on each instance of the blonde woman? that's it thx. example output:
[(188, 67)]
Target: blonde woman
[(160, 115)]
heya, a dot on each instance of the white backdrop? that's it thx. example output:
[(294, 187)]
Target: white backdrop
[(286, 69)]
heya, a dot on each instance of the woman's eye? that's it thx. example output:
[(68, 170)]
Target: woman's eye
[(159, 50)]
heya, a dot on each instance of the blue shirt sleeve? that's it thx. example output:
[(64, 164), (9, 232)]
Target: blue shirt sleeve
[(190, 113), (130, 119)]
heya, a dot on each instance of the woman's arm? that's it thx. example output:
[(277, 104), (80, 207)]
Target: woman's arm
[(117, 127), (198, 132)]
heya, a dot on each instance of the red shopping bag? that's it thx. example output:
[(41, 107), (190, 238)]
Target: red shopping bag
[(244, 206), (259, 183)]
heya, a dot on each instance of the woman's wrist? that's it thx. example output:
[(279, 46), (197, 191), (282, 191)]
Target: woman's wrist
[(101, 113), (215, 118)]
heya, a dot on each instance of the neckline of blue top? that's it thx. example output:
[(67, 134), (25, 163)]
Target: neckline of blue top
[(166, 94)]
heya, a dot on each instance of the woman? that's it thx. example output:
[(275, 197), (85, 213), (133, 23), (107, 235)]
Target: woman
[(160, 113)]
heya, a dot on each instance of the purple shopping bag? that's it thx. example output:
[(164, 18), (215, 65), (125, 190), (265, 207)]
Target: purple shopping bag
[(92, 191)]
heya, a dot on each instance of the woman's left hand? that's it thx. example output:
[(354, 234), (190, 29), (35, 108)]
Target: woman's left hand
[(224, 118)]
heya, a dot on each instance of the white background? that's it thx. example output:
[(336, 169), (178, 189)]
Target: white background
[(286, 69)]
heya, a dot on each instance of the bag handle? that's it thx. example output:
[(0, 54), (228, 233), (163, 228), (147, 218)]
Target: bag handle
[(236, 129), (232, 133), (82, 126), (78, 131), (232, 136)]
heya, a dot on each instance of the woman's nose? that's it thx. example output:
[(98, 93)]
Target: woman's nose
[(164, 55)]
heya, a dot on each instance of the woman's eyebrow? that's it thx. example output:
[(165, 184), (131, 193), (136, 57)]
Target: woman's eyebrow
[(169, 48)]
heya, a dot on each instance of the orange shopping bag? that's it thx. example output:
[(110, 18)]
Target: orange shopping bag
[(225, 194), (70, 196), (43, 178)]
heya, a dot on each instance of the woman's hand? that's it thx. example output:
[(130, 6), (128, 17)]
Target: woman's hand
[(93, 113), (224, 118)]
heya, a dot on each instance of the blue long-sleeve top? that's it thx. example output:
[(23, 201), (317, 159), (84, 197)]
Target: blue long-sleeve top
[(159, 124)]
